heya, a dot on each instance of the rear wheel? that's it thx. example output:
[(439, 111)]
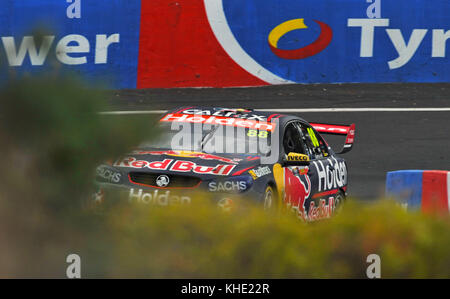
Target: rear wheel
[(339, 201)]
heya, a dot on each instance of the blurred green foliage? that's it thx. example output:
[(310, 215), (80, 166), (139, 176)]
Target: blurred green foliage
[(52, 138), (200, 241)]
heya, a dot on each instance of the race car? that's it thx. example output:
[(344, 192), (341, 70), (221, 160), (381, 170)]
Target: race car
[(273, 159)]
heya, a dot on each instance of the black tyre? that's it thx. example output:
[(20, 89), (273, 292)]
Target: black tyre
[(270, 199)]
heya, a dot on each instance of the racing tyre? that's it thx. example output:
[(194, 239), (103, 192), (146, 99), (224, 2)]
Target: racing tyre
[(339, 201), (270, 199)]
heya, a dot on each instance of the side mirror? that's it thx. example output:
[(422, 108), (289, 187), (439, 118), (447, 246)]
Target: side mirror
[(295, 159)]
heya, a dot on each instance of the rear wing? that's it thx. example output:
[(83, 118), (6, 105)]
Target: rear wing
[(349, 131)]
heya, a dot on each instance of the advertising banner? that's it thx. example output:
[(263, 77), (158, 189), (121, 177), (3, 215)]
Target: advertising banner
[(226, 43)]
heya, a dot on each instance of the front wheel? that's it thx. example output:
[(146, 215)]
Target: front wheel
[(270, 199)]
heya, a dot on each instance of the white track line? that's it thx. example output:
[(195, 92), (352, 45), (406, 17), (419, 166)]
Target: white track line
[(306, 110)]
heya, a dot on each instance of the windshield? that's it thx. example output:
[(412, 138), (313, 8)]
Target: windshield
[(212, 139)]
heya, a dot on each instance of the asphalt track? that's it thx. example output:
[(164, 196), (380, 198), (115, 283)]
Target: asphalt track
[(385, 140)]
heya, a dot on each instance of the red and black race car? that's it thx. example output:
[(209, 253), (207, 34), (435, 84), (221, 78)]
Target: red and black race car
[(271, 158)]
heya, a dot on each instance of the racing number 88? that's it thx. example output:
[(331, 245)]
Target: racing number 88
[(254, 133)]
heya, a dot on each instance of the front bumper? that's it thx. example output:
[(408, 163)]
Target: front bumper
[(109, 194)]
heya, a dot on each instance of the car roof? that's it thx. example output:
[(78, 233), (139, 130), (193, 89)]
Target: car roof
[(234, 112)]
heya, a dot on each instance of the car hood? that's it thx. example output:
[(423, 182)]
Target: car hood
[(188, 163)]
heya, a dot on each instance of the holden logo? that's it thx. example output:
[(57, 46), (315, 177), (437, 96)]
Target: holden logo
[(162, 181)]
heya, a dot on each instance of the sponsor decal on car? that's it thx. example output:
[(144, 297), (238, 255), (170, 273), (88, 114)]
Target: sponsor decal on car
[(332, 174), (155, 198), (108, 175), (236, 113), (188, 154), (219, 120), (134, 163), (322, 211), (297, 196), (297, 186), (294, 157), (176, 165), (259, 172), (188, 166), (227, 186)]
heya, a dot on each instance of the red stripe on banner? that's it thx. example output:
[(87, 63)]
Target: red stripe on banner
[(178, 48), (434, 192)]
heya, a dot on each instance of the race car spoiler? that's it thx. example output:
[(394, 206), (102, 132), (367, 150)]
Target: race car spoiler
[(349, 131)]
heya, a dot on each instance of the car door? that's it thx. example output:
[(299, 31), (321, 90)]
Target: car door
[(299, 184), (324, 173)]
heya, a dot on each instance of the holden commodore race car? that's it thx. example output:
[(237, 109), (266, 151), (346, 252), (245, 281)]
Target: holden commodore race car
[(273, 159)]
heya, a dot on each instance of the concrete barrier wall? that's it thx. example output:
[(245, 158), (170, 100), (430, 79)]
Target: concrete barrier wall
[(224, 43)]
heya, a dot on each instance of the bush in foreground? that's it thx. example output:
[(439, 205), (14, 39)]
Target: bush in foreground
[(201, 241)]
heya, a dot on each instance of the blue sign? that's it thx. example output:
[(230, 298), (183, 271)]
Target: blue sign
[(274, 41), (100, 41), (336, 41)]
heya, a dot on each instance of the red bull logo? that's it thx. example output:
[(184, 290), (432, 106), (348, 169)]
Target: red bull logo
[(175, 165), (324, 39), (188, 154), (297, 193), (297, 190)]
